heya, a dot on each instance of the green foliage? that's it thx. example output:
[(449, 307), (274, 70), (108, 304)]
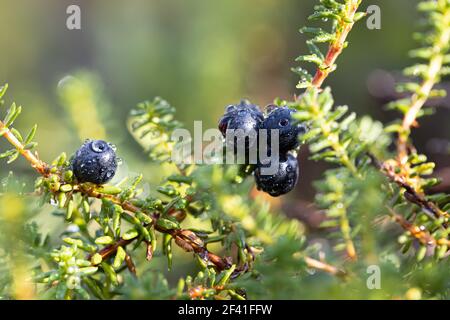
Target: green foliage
[(434, 62), (430, 213), (342, 16), (334, 134), (102, 235), (11, 115), (152, 124), (355, 145)]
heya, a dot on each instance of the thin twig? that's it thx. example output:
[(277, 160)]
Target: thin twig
[(419, 233), (40, 166), (319, 265), (108, 251), (337, 46), (418, 100), (411, 194), (130, 264)]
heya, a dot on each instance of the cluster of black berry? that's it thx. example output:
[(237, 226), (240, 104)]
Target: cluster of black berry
[(250, 119)]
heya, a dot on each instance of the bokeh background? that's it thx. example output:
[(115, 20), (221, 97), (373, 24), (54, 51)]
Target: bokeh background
[(200, 56)]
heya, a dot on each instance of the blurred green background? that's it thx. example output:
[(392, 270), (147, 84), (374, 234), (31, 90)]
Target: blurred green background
[(200, 56)]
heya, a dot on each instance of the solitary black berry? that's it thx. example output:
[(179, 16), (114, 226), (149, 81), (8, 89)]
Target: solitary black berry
[(246, 117), (280, 118), (283, 181), (95, 162)]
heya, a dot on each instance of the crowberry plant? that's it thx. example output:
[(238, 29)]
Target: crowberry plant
[(115, 239)]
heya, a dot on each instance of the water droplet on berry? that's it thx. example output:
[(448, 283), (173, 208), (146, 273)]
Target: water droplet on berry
[(119, 161), (230, 108), (109, 174), (270, 108), (112, 146), (98, 146), (283, 122)]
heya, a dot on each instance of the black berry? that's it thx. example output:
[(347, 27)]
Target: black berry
[(280, 118), (281, 182), (243, 116), (95, 162)]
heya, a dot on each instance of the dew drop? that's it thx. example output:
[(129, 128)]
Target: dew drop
[(119, 161), (311, 271), (283, 122), (109, 174), (71, 270), (73, 228), (230, 108), (98, 146), (270, 108), (112, 146)]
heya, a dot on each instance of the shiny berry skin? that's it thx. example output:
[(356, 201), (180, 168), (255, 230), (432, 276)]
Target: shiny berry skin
[(280, 118), (283, 181), (95, 162), (245, 116)]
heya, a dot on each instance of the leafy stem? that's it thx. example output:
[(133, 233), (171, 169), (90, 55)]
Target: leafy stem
[(40, 166), (320, 265), (320, 116), (344, 26), (343, 16), (431, 77)]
